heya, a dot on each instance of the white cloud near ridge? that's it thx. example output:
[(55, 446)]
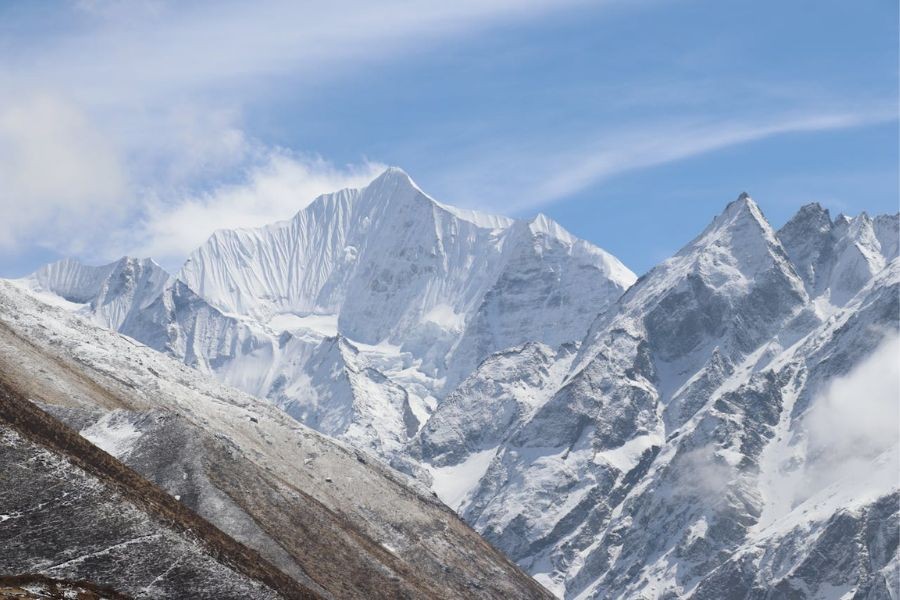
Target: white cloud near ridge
[(846, 449), (858, 416), (272, 191)]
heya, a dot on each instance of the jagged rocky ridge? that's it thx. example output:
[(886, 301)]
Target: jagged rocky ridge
[(658, 455), (665, 462), (320, 518)]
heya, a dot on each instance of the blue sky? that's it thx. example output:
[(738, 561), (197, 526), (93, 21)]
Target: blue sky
[(139, 127)]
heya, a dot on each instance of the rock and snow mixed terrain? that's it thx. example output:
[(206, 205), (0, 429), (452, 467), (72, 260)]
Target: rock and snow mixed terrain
[(659, 465), (73, 515), (715, 431), (326, 520)]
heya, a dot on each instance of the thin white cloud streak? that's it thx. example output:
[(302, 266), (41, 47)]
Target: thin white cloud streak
[(542, 175), (656, 148), (182, 49), (270, 192)]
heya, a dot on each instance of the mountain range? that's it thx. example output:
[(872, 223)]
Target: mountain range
[(712, 429)]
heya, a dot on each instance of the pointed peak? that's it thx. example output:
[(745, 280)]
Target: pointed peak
[(397, 171), (742, 222), (742, 203), (739, 210), (393, 184), (742, 208), (395, 179), (813, 208), (812, 217), (394, 176), (55, 274), (73, 280), (542, 224), (137, 264), (133, 260), (842, 219)]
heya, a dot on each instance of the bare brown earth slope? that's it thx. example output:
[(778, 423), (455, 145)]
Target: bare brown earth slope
[(97, 516)]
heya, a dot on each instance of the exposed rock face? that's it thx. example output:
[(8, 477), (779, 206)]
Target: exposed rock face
[(836, 259), (852, 554), (39, 587)]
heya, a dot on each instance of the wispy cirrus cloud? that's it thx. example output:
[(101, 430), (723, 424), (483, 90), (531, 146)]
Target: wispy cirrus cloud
[(275, 189), (679, 141), (552, 170), (154, 50)]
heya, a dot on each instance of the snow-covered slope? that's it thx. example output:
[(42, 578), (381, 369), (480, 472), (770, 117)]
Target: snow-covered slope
[(391, 266), (113, 294), (138, 298)]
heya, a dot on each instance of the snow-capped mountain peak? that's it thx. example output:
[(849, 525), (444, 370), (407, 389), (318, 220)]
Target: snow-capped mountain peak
[(306, 264), (421, 291), (741, 225), (112, 292), (382, 259), (836, 258)]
